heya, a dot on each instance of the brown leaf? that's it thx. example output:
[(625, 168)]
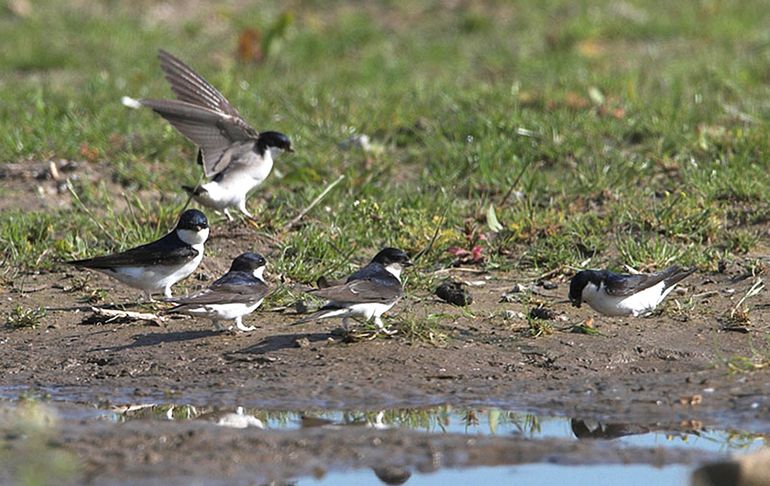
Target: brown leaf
[(89, 153), (250, 46)]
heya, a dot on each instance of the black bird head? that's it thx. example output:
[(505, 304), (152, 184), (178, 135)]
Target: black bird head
[(248, 262), (192, 220), (579, 282), (277, 140), (388, 256)]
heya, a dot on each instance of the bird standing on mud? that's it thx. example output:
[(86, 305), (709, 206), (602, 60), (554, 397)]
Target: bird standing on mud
[(234, 295), (615, 294), (158, 265), (235, 157), (368, 292)]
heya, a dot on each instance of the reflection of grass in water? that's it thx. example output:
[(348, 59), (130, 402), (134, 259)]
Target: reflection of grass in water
[(30, 453), (729, 440), (447, 419), (436, 419)]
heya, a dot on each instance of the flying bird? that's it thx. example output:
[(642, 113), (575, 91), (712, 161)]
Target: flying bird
[(234, 295), (368, 292), (235, 157), (615, 294), (157, 266)]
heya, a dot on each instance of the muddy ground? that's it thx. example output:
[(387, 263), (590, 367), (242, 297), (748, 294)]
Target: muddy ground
[(670, 368)]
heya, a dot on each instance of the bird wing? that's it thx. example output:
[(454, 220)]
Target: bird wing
[(361, 291), (227, 293), (161, 252), (190, 86), (214, 132), (624, 285)]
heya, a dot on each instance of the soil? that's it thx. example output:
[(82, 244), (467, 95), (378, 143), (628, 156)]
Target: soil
[(668, 368)]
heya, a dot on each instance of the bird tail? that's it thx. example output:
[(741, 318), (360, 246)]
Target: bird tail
[(676, 274), (85, 263), (321, 314), (131, 102), (193, 191)]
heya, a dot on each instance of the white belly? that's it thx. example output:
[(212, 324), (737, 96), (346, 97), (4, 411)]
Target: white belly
[(632, 305), (223, 311), (234, 186), (369, 311), (157, 277)]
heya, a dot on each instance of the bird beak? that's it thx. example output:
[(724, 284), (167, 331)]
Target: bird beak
[(408, 263), (199, 227), (290, 150)]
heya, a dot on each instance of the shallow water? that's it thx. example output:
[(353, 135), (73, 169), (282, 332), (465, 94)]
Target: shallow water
[(473, 421), (530, 474), (705, 443)]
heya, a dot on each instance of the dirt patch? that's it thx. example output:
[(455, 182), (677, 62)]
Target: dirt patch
[(670, 368)]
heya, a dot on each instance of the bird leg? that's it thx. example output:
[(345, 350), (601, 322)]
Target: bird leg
[(218, 326), (240, 326), (167, 292), (242, 207), (229, 216), (148, 296), (381, 327)]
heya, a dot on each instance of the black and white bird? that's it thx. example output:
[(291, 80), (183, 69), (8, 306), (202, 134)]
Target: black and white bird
[(157, 266), (234, 295), (368, 292), (615, 294), (235, 157)]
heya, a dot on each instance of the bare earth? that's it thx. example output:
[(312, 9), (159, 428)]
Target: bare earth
[(666, 369)]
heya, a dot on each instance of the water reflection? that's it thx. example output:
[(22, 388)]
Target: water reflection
[(447, 419), (392, 474)]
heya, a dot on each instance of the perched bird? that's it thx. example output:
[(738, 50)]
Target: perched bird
[(616, 294), (235, 294), (368, 292), (235, 157), (158, 265)]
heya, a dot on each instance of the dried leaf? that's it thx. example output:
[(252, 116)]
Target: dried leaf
[(250, 46)]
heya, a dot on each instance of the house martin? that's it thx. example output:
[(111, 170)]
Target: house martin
[(368, 292), (615, 294), (236, 294), (235, 157), (158, 265)]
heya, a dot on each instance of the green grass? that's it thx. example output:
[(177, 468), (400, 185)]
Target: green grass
[(634, 132), (20, 317)]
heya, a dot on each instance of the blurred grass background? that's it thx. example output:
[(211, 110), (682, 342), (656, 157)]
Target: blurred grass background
[(624, 132)]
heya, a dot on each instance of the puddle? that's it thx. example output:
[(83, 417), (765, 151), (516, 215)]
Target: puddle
[(442, 423), (531, 474), (448, 420)]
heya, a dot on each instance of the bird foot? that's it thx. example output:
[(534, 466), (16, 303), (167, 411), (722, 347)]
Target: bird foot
[(243, 328)]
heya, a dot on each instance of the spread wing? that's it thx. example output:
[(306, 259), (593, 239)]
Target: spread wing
[(361, 291), (160, 252), (190, 86), (216, 133), (624, 285), (227, 293)]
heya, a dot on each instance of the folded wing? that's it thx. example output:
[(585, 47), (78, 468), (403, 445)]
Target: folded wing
[(624, 285), (361, 291), (156, 253)]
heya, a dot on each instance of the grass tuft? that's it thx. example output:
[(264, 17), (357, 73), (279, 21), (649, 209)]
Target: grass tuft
[(22, 318)]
